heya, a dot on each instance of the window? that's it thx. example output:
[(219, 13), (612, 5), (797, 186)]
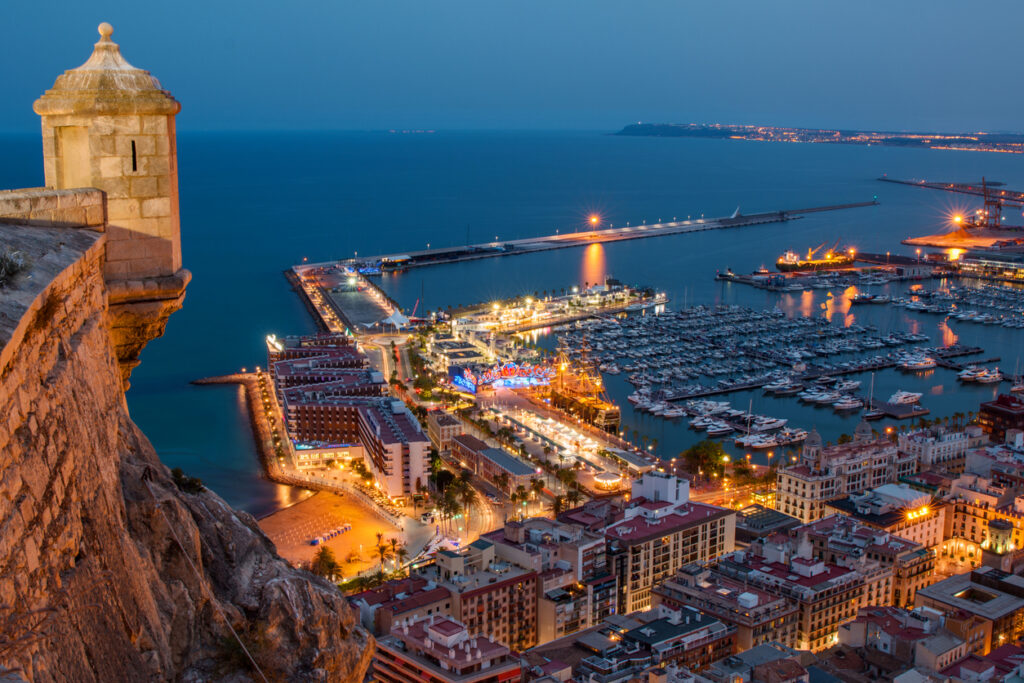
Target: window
[(135, 158)]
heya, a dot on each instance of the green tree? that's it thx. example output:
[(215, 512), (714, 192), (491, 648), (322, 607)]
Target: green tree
[(558, 505), (706, 457), (324, 564), (844, 438)]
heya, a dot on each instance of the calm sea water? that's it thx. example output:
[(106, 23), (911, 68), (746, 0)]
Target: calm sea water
[(253, 204)]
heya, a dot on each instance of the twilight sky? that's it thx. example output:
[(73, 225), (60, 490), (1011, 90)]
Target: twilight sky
[(555, 64)]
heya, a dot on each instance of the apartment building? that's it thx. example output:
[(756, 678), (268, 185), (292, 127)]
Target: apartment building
[(442, 650), (898, 510), (413, 598), (824, 473), (490, 596), (659, 534), (941, 448), (848, 542), (576, 589), (395, 448), (826, 594), (759, 616), (997, 417)]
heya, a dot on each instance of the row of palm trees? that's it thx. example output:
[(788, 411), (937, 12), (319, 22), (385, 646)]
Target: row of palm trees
[(391, 549)]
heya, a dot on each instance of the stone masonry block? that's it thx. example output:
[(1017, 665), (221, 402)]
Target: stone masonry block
[(144, 187), (123, 145), (145, 145), (103, 145), (94, 215), (155, 165), (125, 250), (129, 124), (117, 187), (122, 208), (160, 206), (155, 125)]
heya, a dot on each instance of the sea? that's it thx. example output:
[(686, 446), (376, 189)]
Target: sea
[(253, 204)]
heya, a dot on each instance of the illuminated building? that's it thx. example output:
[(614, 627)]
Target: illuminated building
[(576, 590), (441, 650), (898, 510), (395, 447), (493, 597), (997, 265), (759, 616), (826, 594), (940, 448), (442, 427), (490, 463), (906, 566), (995, 597), (828, 472), (658, 535)]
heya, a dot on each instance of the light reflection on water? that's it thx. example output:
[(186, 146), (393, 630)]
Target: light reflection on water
[(593, 267)]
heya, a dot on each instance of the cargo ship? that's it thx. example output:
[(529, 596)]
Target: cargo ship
[(791, 260)]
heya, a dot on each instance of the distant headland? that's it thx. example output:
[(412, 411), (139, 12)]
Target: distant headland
[(1012, 143)]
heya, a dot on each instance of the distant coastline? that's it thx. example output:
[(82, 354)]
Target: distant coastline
[(1011, 143)]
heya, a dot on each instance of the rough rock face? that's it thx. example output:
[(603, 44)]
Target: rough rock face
[(137, 579)]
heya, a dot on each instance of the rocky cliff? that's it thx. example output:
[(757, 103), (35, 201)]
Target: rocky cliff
[(111, 571)]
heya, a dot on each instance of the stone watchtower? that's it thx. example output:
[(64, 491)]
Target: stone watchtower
[(110, 126)]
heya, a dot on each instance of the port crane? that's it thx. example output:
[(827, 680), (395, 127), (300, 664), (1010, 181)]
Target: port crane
[(995, 200)]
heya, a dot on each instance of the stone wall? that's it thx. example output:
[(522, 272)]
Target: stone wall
[(110, 572), (82, 207)]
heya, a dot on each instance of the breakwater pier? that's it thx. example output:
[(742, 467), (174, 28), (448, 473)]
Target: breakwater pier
[(469, 252)]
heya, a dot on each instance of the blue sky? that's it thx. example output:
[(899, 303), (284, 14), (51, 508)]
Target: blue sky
[(549, 64)]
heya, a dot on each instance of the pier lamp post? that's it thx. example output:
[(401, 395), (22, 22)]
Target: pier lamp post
[(919, 254)]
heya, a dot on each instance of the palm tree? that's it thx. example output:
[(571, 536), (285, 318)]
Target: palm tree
[(557, 505), (394, 550), (574, 497), (501, 480), (566, 477), (401, 555), (521, 493), (467, 496), (323, 563), (384, 551), (537, 486)]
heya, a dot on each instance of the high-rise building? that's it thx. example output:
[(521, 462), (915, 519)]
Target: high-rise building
[(660, 534), (395, 447)]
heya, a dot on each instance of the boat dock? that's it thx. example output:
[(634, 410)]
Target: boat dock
[(895, 410), (470, 252)]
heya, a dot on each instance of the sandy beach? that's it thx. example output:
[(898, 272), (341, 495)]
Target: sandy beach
[(292, 529)]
